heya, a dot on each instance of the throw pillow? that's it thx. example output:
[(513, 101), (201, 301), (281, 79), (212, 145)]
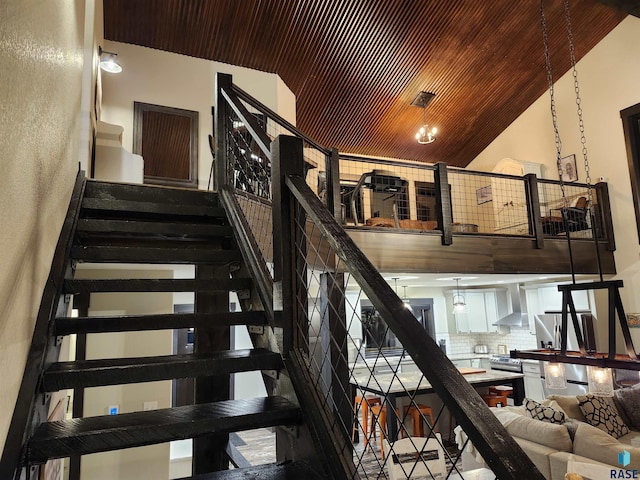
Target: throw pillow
[(602, 413), (569, 405), (543, 413), (629, 399)]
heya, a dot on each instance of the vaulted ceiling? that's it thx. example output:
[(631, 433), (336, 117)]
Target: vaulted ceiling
[(356, 65)]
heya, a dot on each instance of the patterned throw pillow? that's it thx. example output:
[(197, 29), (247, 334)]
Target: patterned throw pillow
[(540, 412), (602, 413)]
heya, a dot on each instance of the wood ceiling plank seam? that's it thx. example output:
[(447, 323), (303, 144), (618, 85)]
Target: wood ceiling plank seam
[(244, 16), (318, 57), (351, 58), (304, 52), (282, 17), (229, 29), (206, 21), (214, 48), (298, 47)]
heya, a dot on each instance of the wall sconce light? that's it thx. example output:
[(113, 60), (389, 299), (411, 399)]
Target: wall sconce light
[(109, 62), (554, 376), (600, 381), (459, 305), (425, 135)]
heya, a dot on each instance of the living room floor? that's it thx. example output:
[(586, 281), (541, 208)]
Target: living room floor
[(258, 448)]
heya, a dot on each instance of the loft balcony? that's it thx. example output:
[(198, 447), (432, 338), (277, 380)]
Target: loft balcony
[(431, 218), (415, 217)]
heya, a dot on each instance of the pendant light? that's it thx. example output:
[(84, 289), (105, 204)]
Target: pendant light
[(459, 305), (600, 381), (554, 377), (405, 299), (425, 135)]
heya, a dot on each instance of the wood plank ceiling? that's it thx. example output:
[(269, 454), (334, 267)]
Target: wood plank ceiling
[(356, 65)]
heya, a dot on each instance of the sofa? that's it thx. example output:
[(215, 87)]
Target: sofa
[(578, 433)]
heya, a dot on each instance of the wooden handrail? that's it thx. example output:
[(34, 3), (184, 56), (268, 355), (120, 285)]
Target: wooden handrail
[(488, 435), (278, 119)]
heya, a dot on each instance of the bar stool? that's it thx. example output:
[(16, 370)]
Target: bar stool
[(501, 390), (379, 412), (364, 402), (495, 400), (418, 413)]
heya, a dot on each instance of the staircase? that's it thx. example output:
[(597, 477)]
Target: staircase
[(130, 224)]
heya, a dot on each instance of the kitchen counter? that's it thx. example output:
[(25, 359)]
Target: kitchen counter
[(406, 383), (394, 360), (391, 386)]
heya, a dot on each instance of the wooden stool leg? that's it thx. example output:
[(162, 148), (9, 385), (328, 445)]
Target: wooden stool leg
[(364, 409), (379, 415)]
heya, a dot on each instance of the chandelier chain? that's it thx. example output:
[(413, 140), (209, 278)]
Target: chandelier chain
[(576, 87), (554, 114)]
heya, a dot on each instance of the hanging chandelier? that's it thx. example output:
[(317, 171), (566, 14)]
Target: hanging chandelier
[(426, 134)]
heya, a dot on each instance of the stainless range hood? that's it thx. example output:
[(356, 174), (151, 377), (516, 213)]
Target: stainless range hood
[(517, 318)]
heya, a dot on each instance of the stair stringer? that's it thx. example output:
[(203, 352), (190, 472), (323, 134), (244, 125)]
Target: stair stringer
[(32, 405)]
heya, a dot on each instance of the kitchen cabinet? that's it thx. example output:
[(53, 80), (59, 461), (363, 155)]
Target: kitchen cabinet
[(532, 381), (548, 299), (483, 308), (551, 299)]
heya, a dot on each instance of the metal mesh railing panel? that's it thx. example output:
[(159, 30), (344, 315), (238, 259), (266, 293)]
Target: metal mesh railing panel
[(575, 204), (488, 204), (315, 157), (249, 171), (356, 366), (399, 191)]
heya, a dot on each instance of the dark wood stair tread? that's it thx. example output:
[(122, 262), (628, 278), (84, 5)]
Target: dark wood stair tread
[(149, 193), (298, 470), (155, 285), (111, 228), (120, 371), (131, 207), (134, 323), (166, 255), (83, 436)]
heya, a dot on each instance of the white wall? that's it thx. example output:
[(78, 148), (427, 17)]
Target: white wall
[(608, 77), (41, 53), (153, 460), (173, 80)]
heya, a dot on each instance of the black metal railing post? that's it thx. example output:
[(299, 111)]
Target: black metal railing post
[(443, 203), (533, 208), (223, 82), (334, 203), (604, 210), (287, 159)]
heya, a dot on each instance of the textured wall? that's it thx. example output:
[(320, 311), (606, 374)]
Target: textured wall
[(40, 82)]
